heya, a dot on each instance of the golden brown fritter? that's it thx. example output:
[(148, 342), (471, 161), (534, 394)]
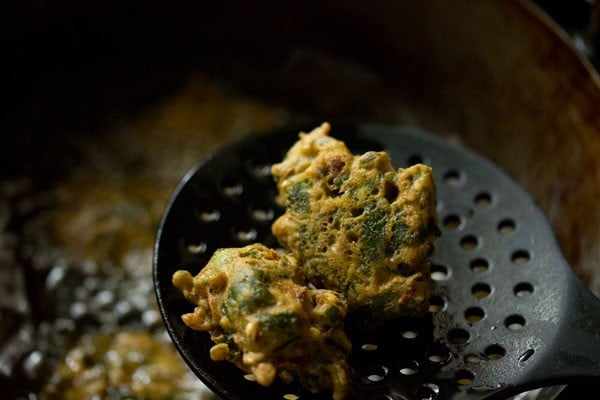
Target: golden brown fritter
[(262, 318), (358, 229), (357, 225)]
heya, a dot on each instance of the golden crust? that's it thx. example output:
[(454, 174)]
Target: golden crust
[(262, 318), (357, 225), (357, 229)]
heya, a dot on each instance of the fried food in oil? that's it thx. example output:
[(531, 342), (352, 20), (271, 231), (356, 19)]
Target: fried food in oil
[(357, 225), (263, 319), (128, 364)]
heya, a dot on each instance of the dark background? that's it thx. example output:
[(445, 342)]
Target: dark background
[(56, 53)]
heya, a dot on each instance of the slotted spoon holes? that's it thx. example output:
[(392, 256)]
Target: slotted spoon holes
[(476, 221), (243, 206), (391, 357)]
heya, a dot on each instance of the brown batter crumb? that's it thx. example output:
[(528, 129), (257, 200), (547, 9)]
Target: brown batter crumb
[(263, 318), (357, 229), (357, 225)]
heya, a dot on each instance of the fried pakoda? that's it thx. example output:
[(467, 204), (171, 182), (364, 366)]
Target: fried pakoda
[(263, 319), (357, 225)]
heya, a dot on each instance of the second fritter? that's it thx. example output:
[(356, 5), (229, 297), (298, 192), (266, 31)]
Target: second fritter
[(357, 225)]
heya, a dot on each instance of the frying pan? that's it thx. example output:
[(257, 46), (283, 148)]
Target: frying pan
[(138, 103), (507, 311)]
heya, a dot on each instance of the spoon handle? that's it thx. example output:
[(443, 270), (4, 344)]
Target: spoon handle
[(576, 348)]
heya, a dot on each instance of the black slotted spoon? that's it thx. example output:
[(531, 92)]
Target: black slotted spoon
[(507, 312)]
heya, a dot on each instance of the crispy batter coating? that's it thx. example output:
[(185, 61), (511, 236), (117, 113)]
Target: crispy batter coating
[(357, 229), (263, 318), (357, 225)]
